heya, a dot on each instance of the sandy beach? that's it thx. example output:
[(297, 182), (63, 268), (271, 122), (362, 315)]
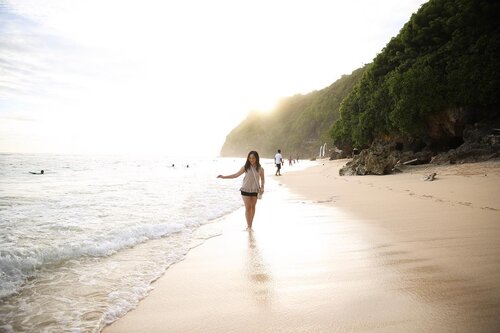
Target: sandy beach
[(343, 254)]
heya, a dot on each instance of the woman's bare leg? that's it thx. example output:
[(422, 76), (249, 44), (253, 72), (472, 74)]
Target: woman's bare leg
[(250, 203)]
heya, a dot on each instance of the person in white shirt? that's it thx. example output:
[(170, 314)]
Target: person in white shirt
[(278, 160)]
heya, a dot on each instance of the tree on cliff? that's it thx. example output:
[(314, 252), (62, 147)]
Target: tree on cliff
[(445, 57)]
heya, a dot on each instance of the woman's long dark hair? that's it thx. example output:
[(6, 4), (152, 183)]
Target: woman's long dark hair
[(257, 163)]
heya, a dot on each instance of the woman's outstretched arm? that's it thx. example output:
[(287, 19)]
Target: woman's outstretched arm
[(234, 175)]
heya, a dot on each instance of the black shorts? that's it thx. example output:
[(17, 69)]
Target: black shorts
[(278, 165), (248, 194)]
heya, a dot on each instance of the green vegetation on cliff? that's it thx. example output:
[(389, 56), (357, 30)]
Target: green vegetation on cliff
[(441, 72), (446, 57), (298, 126)]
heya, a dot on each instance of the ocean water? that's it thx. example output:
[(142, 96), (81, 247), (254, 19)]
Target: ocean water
[(81, 244)]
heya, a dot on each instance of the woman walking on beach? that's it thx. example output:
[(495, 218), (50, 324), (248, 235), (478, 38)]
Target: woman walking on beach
[(251, 186)]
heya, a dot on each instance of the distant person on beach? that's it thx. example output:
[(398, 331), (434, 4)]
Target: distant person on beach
[(251, 186), (37, 173), (278, 160)]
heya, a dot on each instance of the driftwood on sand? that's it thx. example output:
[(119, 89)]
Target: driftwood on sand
[(430, 177)]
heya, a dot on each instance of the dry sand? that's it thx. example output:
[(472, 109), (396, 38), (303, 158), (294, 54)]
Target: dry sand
[(344, 254)]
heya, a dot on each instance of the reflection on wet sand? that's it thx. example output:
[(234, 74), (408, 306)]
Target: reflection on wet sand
[(258, 273)]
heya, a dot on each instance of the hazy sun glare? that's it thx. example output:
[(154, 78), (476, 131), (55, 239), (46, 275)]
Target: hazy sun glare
[(170, 77)]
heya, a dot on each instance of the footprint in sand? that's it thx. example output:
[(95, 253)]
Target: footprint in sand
[(323, 201), (426, 269), (490, 208), (392, 253)]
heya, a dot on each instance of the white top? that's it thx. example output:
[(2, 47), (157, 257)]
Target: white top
[(251, 181), (278, 158)]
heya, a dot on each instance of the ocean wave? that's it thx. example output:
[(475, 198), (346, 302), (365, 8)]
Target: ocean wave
[(110, 231), (19, 264)]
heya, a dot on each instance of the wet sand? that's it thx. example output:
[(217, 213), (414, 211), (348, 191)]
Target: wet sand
[(343, 254)]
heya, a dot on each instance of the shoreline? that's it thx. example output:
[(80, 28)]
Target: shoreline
[(329, 253)]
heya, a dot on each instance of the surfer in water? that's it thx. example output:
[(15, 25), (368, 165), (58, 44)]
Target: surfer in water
[(37, 173)]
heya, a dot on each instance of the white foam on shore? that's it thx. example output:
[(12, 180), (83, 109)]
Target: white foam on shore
[(69, 246)]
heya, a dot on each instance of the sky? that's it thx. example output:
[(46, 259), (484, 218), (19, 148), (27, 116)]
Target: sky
[(171, 77)]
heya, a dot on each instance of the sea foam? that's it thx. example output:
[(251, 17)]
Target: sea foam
[(80, 245)]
